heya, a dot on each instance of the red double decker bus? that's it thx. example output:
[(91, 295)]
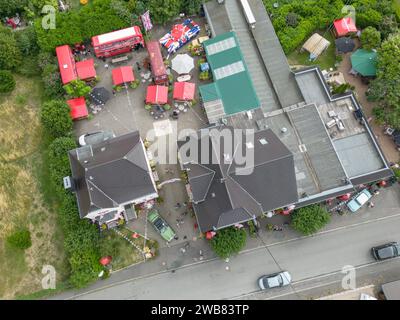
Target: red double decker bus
[(117, 42), (157, 63)]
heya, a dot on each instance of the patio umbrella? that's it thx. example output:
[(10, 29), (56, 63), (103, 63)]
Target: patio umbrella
[(344, 45), (364, 62), (99, 96), (182, 63)]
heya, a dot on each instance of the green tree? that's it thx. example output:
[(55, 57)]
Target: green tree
[(309, 220), (77, 88), (7, 82), (51, 78), (191, 7), (9, 8), (228, 241), (55, 118), (161, 14), (20, 239), (27, 41), (10, 56), (370, 38)]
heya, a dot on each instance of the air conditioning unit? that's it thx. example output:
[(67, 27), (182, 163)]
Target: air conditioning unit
[(69, 183)]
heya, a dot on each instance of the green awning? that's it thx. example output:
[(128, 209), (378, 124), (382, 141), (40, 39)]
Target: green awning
[(364, 62)]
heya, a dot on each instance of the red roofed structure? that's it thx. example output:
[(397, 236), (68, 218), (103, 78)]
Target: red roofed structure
[(344, 26), (66, 63), (184, 91), (122, 75), (85, 69), (78, 108), (157, 95), (157, 63)]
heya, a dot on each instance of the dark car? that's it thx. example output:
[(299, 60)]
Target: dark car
[(386, 251)]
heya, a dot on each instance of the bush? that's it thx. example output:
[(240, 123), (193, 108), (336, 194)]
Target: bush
[(309, 220), (228, 241), (27, 41), (20, 239), (55, 118), (370, 38), (7, 82), (77, 88), (10, 56)]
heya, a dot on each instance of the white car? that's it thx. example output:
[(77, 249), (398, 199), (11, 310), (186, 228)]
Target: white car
[(359, 200), (275, 280), (95, 137)]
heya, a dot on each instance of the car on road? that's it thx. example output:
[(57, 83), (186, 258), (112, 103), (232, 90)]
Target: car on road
[(275, 280), (161, 225), (95, 137), (386, 251), (359, 200)]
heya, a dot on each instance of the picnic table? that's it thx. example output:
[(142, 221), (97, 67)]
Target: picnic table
[(119, 59)]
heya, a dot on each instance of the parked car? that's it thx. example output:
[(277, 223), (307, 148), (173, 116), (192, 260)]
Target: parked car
[(359, 200), (160, 225), (275, 280), (386, 251), (95, 137)]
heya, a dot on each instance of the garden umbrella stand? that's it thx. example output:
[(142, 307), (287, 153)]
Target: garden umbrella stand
[(99, 96), (182, 63)]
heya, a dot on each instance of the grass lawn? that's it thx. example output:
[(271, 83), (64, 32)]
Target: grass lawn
[(22, 196), (123, 253), (325, 61)]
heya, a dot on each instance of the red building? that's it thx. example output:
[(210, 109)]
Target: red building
[(157, 63), (117, 42), (66, 63), (344, 26)]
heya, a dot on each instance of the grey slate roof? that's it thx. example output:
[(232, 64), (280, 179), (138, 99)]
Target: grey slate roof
[(236, 192), (116, 173)]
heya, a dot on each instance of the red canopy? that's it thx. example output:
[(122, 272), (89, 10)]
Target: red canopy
[(345, 197), (85, 69), (78, 108), (184, 91), (157, 95), (66, 64), (344, 26), (122, 75)]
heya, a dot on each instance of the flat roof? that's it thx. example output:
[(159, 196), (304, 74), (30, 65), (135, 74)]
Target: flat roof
[(391, 290), (232, 83), (115, 35)]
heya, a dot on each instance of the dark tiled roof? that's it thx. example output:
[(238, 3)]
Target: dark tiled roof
[(115, 173), (225, 191)]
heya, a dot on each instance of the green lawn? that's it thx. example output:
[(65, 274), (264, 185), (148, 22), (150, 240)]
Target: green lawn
[(325, 61)]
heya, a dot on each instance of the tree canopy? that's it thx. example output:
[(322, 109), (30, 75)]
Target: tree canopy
[(55, 118), (10, 56), (370, 38), (228, 241), (309, 220)]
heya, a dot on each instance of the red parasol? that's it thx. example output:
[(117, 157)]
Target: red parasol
[(105, 260)]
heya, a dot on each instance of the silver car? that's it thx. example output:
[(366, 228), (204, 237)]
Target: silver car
[(275, 280)]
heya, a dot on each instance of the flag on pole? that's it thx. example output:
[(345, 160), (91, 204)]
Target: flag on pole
[(145, 17)]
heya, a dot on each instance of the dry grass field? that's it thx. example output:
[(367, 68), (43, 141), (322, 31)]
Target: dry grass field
[(22, 191)]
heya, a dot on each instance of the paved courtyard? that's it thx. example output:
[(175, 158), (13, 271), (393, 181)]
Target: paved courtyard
[(125, 112)]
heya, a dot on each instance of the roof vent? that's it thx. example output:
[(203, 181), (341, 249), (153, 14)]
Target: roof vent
[(103, 149), (263, 141), (65, 66), (90, 177), (213, 195), (227, 157), (249, 145), (284, 130)]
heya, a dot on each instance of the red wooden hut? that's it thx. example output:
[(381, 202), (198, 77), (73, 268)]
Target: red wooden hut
[(85, 69), (184, 91), (122, 75), (78, 109), (344, 27), (157, 95)]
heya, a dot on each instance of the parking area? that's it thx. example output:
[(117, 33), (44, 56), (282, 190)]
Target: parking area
[(125, 112)]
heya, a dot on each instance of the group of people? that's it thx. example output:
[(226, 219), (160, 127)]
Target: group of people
[(81, 49)]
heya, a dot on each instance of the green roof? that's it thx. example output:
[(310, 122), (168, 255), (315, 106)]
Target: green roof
[(364, 62), (232, 82)]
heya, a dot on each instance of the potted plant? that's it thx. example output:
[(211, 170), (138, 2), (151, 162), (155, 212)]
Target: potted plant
[(135, 84), (167, 107), (147, 106)]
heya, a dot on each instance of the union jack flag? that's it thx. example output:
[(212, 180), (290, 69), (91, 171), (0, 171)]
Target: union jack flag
[(145, 17)]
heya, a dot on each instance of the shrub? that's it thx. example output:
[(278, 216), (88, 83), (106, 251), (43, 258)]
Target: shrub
[(55, 118), (135, 84), (10, 56), (20, 239), (7, 82), (370, 38), (27, 41), (228, 241), (309, 220), (77, 88)]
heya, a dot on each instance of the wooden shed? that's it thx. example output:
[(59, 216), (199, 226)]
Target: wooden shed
[(315, 45)]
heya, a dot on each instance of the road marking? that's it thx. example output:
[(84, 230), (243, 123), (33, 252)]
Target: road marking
[(361, 266), (242, 252)]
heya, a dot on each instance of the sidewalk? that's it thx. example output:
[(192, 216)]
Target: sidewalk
[(387, 203)]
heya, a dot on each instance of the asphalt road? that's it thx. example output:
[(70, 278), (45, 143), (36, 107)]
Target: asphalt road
[(308, 259)]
